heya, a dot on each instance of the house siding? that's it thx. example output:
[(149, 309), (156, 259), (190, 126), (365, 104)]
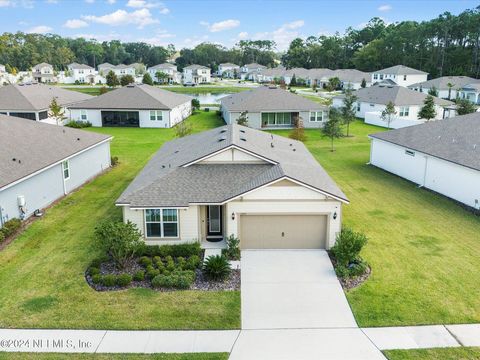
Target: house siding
[(255, 118)]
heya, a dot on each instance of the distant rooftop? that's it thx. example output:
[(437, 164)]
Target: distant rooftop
[(401, 70)]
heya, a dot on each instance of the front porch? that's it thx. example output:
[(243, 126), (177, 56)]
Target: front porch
[(212, 227)]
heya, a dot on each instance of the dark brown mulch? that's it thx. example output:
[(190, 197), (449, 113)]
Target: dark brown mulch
[(351, 283), (230, 284)]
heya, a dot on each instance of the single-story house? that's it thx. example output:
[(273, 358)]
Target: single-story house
[(43, 73), (32, 100), (40, 163), (448, 87), (265, 189), (443, 156), (272, 107), (374, 99), (196, 74), (471, 92), (401, 74), (134, 105)]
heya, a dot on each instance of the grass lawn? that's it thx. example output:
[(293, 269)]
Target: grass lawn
[(42, 272), (423, 248), (435, 354), (52, 356)]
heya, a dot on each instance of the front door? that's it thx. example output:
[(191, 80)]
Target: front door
[(214, 220)]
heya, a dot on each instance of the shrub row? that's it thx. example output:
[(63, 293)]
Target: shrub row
[(111, 280), (9, 228), (78, 124), (166, 266), (180, 250), (179, 279)]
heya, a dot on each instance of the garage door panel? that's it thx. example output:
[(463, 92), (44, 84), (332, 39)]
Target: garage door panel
[(283, 231)]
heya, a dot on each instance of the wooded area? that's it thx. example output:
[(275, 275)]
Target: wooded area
[(446, 45)]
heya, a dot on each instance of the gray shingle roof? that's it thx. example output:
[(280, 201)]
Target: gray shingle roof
[(229, 64), (455, 139), (166, 182), (195, 67), (401, 70), (135, 96), (79, 66), (36, 97), (255, 66), (380, 94), (41, 65), (163, 66), (441, 82), (472, 86), (266, 98), (44, 145)]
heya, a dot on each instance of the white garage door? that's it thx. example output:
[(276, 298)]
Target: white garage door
[(283, 231)]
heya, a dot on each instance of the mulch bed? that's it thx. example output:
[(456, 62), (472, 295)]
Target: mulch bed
[(351, 283)]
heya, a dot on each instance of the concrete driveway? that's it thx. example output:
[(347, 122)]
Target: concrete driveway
[(292, 289)]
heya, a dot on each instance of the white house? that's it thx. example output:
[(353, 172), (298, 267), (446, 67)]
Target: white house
[(349, 78), (43, 73), (448, 87), (134, 105), (174, 76), (266, 189), (228, 70), (196, 74), (443, 156), (249, 71), (119, 70), (82, 73), (32, 100), (471, 92), (371, 101), (400, 74), (40, 163), (267, 107)]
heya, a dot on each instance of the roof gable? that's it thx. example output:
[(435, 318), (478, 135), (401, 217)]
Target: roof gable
[(398, 95)]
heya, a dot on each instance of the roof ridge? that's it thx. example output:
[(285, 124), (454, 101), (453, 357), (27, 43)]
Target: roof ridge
[(144, 89), (17, 88)]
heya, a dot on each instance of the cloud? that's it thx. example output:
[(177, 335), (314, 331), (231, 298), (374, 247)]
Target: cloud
[(141, 18), (75, 24), (6, 3), (103, 37), (221, 25), (159, 39), (384, 8), (243, 35), (41, 29), (27, 4), (282, 36), (144, 4)]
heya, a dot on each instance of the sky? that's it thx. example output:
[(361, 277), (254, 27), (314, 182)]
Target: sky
[(188, 23)]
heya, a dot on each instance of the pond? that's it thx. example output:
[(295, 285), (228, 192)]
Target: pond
[(209, 98)]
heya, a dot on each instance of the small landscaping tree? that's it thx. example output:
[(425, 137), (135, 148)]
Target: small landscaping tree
[(388, 114), (121, 241), (333, 84), (293, 80), (298, 133), (112, 79), (183, 129), (162, 77), (332, 128), (347, 250), (126, 79), (232, 251), (195, 104), (243, 119), (427, 112), (348, 108), (363, 83), (433, 91), (103, 90), (56, 112), (450, 86), (465, 107), (147, 79)]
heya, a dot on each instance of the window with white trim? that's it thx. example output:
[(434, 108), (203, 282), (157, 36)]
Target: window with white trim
[(317, 116), (156, 115), (404, 111), (161, 223), (83, 115), (66, 169), (375, 76)]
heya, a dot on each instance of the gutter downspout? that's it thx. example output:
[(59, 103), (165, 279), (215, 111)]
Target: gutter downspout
[(424, 173)]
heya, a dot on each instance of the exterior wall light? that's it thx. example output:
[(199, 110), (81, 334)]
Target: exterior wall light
[(335, 215), (233, 216)]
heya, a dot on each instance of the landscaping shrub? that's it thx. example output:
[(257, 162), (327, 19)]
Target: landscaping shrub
[(114, 160), (151, 272), (93, 271), (78, 124), (120, 240), (232, 252), (193, 262), (2, 237), (181, 263), (11, 226), (97, 278), (170, 266), (216, 267), (124, 279), (157, 260), (348, 246), (184, 250), (96, 263), (139, 275), (177, 280), (109, 280), (145, 261)]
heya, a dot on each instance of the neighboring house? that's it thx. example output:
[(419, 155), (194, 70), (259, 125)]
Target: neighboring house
[(250, 71), (196, 74), (349, 78), (471, 92), (139, 68), (443, 156), (104, 69), (43, 73), (134, 105), (228, 70), (40, 163), (373, 100), (448, 87), (275, 74), (83, 74), (119, 70), (32, 101), (271, 107), (173, 76), (266, 189), (402, 75)]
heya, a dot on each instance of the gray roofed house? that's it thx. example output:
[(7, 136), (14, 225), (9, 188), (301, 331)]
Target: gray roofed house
[(138, 105), (196, 67), (471, 92), (446, 86), (32, 100), (74, 65), (443, 156), (220, 168), (41, 162), (196, 74), (402, 75), (401, 70), (174, 76), (269, 106), (44, 73)]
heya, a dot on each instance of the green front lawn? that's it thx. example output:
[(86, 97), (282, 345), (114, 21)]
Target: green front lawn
[(42, 272), (472, 353), (424, 249), (52, 356)]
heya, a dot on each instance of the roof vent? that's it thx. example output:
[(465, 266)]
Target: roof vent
[(176, 151), (78, 139), (271, 145), (294, 149), (223, 131), (243, 139), (223, 138), (242, 131)]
